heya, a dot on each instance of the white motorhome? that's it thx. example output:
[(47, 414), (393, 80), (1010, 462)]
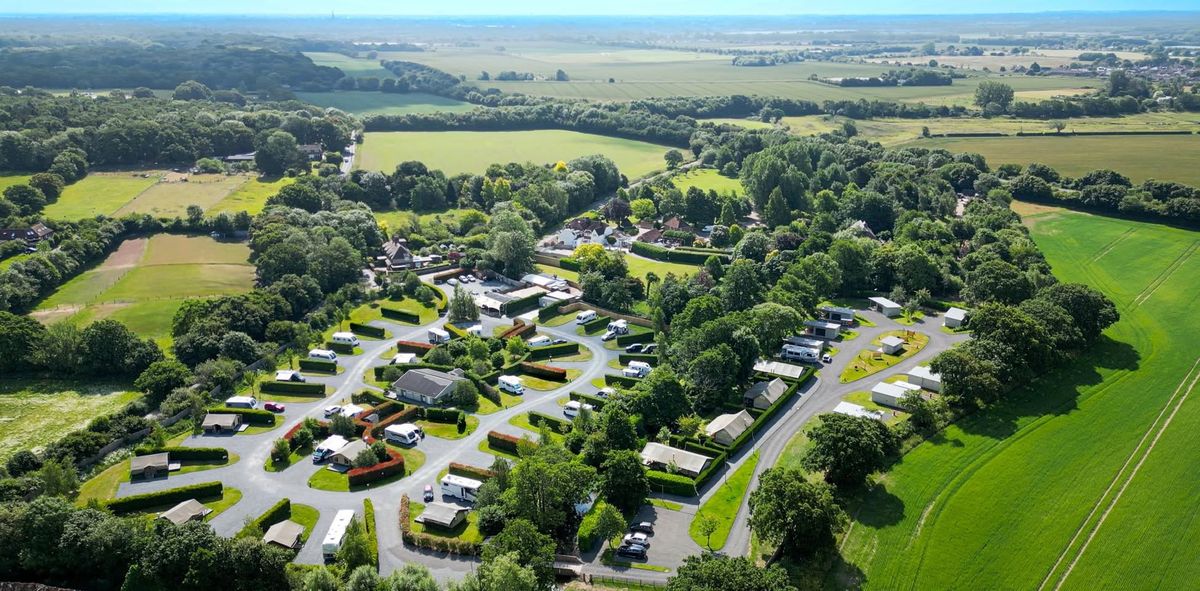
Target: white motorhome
[(325, 354), (574, 407), (337, 532), (328, 447), (619, 326), (404, 434), (476, 330), (438, 336), (344, 338), (539, 341), (585, 316), (242, 402), (512, 385), (460, 487), (640, 368), (798, 353)]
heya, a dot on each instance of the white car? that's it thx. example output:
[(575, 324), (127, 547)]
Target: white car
[(827, 358), (452, 281), (608, 336), (574, 407), (332, 410), (639, 538), (606, 392)]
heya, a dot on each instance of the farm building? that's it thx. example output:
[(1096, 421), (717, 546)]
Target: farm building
[(443, 515), (839, 314), (885, 306), (924, 377), (891, 345), (822, 329), (345, 456), (286, 533), (778, 368), (189, 510), (892, 394), (215, 423), (763, 394), (149, 466), (728, 427), (658, 456), (425, 385), (955, 317), (854, 410)]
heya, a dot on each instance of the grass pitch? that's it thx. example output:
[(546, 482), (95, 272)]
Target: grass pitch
[(1083, 480), (472, 151), (708, 179)]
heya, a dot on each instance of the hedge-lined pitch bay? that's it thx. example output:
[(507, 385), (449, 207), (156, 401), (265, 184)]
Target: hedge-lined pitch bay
[(1068, 482)]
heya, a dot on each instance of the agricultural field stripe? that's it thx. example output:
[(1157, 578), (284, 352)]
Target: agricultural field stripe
[(1166, 274), (1191, 375), (1111, 245)]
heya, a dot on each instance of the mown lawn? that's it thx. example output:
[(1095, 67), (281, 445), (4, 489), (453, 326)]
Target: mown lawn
[(722, 507), (448, 430), (707, 179), (467, 531), (870, 361)]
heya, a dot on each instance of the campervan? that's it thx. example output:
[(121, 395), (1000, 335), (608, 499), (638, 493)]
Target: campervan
[(336, 534), (585, 316), (438, 336), (619, 326), (403, 434), (475, 331), (641, 368), (539, 341), (325, 354), (460, 487), (574, 407), (242, 402), (797, 353), (512, 385), (344, 338)]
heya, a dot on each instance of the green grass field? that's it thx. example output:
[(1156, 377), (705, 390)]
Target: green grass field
[(146, 280), (357, 67), (363, 103), (99, 193), (472, 151), (722, 507), (9, 179), (1087, 477), (34, 413), (251, 196), (707, 179), (150, 192)]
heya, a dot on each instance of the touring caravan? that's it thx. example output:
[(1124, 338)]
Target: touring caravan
[(512, 385), (585, 316), (336, 534), (438, 336), (344, 338), (797, 353), (460, 487), (403, 434), (241, 402), (325, 354)]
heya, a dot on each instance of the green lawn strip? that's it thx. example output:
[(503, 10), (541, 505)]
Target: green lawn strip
[(260, 429), (910, 319), (306, 516), (665, 504), (615, 364), (544, 385), (467, 531), (486, 448), (866, 363), (487, 407), (609, 558), (296, 456), (722, 507), (598, 382), (448, 430), (559, 320), (522, 421), (104, 485)]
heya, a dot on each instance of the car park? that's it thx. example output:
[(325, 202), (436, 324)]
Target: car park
[(274, 406), (634, 348)]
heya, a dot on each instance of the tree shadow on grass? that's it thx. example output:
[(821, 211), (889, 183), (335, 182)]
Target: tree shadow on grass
[(1054, 393)]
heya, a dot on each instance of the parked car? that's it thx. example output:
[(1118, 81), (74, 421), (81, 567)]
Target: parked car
[(634, 348), (643, 526), (332, 410), (273, 406), (650, 348), (558, 342), (452, 281), (636, 539), (606, 392), (634, 551), (608, 336), (827, 358), (428, 495)]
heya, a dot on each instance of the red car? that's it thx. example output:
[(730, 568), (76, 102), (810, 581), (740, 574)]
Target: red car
[(273, 406)]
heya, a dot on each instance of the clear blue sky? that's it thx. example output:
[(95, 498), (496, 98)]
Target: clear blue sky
[(572, 7)]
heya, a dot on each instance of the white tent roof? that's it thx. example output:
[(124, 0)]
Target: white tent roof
[(664, 454), (854, 410)]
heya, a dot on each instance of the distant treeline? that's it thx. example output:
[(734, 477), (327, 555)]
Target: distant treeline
[(909, 77)]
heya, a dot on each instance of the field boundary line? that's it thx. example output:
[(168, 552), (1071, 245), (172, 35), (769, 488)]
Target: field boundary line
[(1112, 244), (1128, 479), (1165, 275)]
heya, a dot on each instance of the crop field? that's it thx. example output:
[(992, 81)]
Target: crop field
[(747, 123), (36, 412), (472, 151), (363, 103), (145, 281), (161, 194), (708, 179), (1085, 479), (359, 68)]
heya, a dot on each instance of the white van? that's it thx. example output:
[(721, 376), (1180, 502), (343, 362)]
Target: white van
[(798, 353), (438, 336), (574, 407), (538, 341), (460, 487), (619, 326), (325, 354), (337, 532), (512, 385), (585, 316), (641, 367), (476, 330), (404, 434), (242, 402), (345, 338)]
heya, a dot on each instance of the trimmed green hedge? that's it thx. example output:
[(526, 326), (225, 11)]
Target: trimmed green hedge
[(641, 337), (481, 474), (253, 416), (538, 370), (416, 347), (340, 348), (401, 315), (171, 496), (549, 312), (296, 388), (455, 332), (318, 365), (596, 401), (622, 381), (671, 484), (189, 453), (560, 350), (503, 441), (442, 415), (596, 323), (625, 358), (587, 537), (537, 419), (522, 305), (278, 512), (570, 264), (687, 257), (367, 330)]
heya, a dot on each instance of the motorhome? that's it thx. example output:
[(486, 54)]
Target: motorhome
[(619, 326), (460, 487), (511, 384), (798, 353), (475, 331), (539, 341), (640, 367), (574, 407), (242, 402), (404, 434), (325, 354), (344, 338), (336, 534), (328, 447), (585, 316), (438, 336)]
